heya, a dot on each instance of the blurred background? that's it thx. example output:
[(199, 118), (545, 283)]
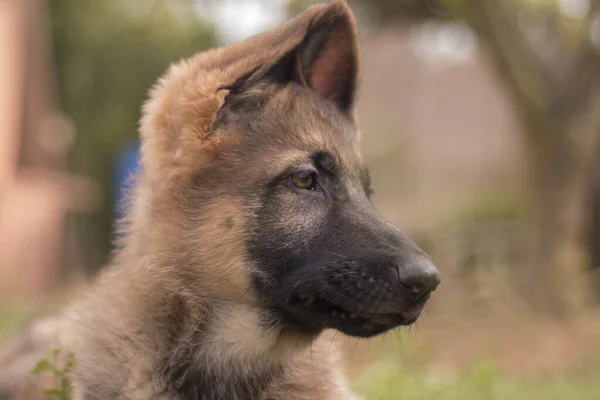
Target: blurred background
[(481, 125)]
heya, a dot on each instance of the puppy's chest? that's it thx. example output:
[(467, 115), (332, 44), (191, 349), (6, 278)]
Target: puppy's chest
[(191, 382)]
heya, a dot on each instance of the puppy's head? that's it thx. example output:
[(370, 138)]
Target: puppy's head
[(256, 187)]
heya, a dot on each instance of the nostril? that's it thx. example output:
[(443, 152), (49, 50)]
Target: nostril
[(421, 277)]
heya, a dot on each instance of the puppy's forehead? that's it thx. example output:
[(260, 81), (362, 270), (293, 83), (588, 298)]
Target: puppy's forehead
[(299, 125)]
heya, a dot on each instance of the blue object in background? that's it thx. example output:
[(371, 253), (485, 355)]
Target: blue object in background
[(127, 166)]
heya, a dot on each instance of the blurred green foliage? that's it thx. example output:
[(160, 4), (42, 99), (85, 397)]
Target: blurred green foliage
[(108, 54), (387, 11), (387, 380), (495, 207), (12, 316), (63, 389)]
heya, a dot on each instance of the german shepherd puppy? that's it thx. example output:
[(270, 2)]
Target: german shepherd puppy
[(250, 233)]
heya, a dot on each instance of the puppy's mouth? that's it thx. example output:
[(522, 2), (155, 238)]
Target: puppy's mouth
[(361, 321)]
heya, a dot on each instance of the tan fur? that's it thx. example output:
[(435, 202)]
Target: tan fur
[(175, 259)]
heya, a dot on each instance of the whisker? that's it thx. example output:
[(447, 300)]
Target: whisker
[(330, 343), (312, 361), (313, 278), (337, 254), (295, 344), (236, 304), (354, 349)]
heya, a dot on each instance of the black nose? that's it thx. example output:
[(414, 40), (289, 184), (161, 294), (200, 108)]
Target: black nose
[(420, 275)]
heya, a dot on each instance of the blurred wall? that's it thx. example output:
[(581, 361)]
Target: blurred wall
[(34, 199)]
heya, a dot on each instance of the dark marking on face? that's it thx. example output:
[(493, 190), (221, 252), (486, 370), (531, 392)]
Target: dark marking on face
[(326, 162), (229, 223)]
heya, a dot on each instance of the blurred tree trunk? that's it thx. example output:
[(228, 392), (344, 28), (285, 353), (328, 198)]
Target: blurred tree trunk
[(593, 226), (555, 98)]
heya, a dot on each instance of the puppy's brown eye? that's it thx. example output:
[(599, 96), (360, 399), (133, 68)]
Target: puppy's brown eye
[(303, 180)]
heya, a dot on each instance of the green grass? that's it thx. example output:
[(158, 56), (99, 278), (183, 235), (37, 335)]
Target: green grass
[(387, 380)]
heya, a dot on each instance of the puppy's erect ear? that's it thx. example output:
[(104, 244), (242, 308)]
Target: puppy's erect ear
[(318, 49), (327, 58)]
